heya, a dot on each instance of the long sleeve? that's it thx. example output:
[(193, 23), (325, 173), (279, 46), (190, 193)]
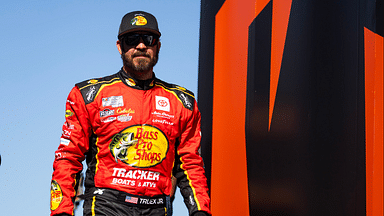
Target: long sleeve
[(190, 167), (74, 143)]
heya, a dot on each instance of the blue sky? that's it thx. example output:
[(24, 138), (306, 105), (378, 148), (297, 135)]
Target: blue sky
[(48, 46)]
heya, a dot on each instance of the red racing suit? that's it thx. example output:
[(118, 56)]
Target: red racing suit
[(133, 134)]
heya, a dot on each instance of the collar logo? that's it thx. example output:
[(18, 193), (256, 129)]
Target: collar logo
[(140, 146), (93, 81), (130, 82), (139, 21)]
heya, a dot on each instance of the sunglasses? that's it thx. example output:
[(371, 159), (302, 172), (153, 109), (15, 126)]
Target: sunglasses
[(134, 39)]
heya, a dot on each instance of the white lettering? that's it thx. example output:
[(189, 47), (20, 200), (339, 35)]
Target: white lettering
[(162, 122), (156, 176), (121, 173), (162, 115), (151, 201), (136, 174), (129, 174), (160, 201), (143, 175), (150, 175), (118, 171), (127, 182)]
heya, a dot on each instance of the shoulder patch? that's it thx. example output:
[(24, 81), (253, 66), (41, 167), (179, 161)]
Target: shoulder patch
[(90, 88), (185, 96)]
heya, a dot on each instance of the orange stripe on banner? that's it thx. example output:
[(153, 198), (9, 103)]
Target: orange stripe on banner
[(280, 16), (229, 184), (260, 5), (373, 44)]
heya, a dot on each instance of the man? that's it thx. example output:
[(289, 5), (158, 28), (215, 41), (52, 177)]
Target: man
[(136, 133)]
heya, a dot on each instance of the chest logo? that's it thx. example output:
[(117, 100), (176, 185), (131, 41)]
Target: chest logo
[(162, 103), (113, 101), (139, 146)]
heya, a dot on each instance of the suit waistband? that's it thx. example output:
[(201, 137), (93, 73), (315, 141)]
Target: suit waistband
[(128, 199)]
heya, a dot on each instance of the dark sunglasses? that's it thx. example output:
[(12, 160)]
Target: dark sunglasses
[(134, 39)]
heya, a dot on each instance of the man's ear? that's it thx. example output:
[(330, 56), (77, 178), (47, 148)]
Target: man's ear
[(118, 45), (158, 46)]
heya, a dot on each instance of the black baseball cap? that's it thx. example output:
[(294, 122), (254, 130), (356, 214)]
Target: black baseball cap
[(138, 20)]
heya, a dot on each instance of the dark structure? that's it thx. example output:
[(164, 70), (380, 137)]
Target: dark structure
[(291, 96)]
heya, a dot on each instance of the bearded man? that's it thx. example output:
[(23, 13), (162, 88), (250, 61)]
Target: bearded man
[(137, 133)]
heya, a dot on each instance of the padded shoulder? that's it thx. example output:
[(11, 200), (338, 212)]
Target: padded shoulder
[(186, 97), (90, 88)]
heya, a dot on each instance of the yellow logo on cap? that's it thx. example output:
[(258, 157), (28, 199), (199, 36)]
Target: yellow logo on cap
[(139, 21)]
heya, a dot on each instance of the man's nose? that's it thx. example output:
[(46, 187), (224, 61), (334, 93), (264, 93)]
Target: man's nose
[(141, 44)]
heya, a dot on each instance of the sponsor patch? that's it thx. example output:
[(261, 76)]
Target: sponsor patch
[(135, 177), (91, 93), (58, 155), (68, 125), (187, 103), (151, 201), (124, 118), (106, 112), (64, 141), (56, 195), (67, 133), (139, 146), (68, 113), (99, 191), (113, 101), (130, 199), (162, 115), (124, 111), (109, 119), (162, 121), (162, 103)]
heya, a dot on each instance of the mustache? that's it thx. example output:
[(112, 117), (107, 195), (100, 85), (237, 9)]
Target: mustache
[(140, 53)]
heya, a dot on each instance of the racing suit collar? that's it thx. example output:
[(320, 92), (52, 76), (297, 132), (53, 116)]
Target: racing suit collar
[(137, 84)]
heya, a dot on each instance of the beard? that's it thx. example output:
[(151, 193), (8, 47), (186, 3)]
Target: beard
[(143, 65)]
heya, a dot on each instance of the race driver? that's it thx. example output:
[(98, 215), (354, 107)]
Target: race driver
[(136, 132)]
